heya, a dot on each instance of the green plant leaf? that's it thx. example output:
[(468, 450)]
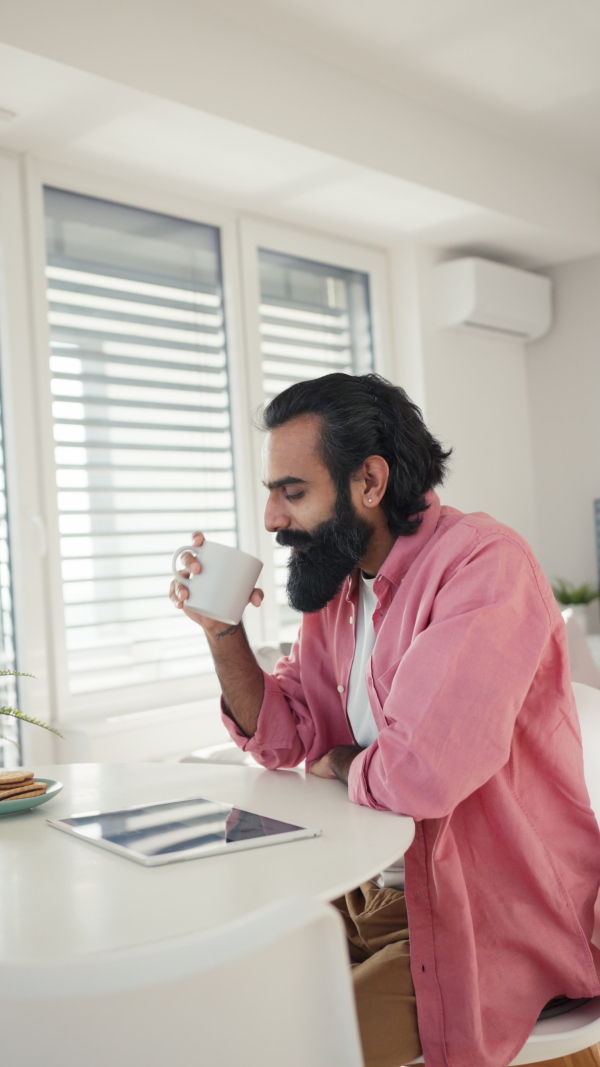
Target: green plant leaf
[(16, 714), (568, 593)]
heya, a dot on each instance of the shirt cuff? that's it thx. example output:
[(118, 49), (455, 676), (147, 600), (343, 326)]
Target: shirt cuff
[(358, 786)]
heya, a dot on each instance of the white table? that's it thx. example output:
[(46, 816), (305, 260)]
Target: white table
[(61, 896)]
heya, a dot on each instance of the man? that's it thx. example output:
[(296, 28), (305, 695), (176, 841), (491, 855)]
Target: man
[(430, 674)]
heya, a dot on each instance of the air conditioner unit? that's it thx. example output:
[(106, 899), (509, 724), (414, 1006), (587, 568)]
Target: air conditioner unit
[(478, 294)]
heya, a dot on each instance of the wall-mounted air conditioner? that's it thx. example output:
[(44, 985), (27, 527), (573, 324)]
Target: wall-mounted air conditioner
[(480, 295)]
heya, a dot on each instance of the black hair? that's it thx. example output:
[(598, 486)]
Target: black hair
[(365, 415)]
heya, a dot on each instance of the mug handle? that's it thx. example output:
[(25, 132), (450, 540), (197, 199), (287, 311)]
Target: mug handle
[(185, 548)]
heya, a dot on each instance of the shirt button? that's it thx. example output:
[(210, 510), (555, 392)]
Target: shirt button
[(351, 619), (340, 689)]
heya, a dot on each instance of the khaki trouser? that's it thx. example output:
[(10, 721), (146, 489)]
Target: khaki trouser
[(377, 931)]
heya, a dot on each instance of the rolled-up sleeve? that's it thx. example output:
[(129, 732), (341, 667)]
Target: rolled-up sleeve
[(286, 728), (279, 739), (453, 701)]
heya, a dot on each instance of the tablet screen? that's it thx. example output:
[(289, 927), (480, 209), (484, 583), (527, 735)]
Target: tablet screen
[(156, 832)]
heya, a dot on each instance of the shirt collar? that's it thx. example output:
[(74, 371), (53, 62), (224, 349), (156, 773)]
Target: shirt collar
[(406, 549)]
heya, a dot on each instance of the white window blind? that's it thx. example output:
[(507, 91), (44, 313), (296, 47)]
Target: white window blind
[(314, 319), (142, 432)]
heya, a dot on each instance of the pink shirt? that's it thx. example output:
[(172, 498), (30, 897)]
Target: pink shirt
[(479, 742)]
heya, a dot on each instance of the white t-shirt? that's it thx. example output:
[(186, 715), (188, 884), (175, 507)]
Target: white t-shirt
[(358, 707)]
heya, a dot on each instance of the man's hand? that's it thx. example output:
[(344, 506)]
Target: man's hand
[(335, 763), (179, 593)]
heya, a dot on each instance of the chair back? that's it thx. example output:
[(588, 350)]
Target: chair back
[(270, 990), (587, 700), (583, 667)]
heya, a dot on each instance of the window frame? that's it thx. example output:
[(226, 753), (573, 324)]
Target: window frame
[(306, 244), (39, 621), (163, 694), (23, 483)]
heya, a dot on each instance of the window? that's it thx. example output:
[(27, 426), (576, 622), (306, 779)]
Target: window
[(314, 319), (9, 729), (142, 434), (130, 385)]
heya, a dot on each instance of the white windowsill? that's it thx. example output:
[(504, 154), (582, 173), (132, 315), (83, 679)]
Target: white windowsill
[(144, 736)]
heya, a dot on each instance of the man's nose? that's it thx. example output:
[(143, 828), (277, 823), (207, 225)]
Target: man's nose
[(275, 518)]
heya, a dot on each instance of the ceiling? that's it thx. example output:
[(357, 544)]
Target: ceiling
[(75, 118), (525, 70)]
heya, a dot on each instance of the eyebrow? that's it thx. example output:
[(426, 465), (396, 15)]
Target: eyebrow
[(284, 481)]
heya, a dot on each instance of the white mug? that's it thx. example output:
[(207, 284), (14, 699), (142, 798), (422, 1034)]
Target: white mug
[(222, 589)]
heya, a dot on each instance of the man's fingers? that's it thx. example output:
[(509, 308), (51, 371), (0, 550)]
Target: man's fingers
[(178, 593), (321, 768), (191, 564), (256, 597)]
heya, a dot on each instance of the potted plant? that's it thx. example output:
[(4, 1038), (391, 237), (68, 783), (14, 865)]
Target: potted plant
[(16, 714), (576, 597)]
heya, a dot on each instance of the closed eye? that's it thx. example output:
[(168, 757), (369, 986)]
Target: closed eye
[(294, 496)]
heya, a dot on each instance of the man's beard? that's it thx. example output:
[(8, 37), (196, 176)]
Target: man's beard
[(326, 557)]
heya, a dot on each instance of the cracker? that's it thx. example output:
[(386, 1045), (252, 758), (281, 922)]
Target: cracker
[(10, 778), (23, 787), (30, 789), (25, 796), (14, 785)]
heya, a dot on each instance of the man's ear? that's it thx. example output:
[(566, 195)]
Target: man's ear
[(374, 477)]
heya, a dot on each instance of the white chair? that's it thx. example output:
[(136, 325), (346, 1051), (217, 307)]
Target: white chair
[(587, 700), (578, 1029), (270, 990), (588, 709), (583, 668)]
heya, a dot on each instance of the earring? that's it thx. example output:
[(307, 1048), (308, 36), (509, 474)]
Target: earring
[(370, 500)]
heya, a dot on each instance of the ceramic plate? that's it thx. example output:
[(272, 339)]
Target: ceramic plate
[(9, 807)]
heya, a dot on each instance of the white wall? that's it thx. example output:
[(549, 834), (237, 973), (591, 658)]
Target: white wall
[(474, 393), (564, 385)]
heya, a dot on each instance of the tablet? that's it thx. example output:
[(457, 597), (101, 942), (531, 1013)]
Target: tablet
[(179, 830)]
